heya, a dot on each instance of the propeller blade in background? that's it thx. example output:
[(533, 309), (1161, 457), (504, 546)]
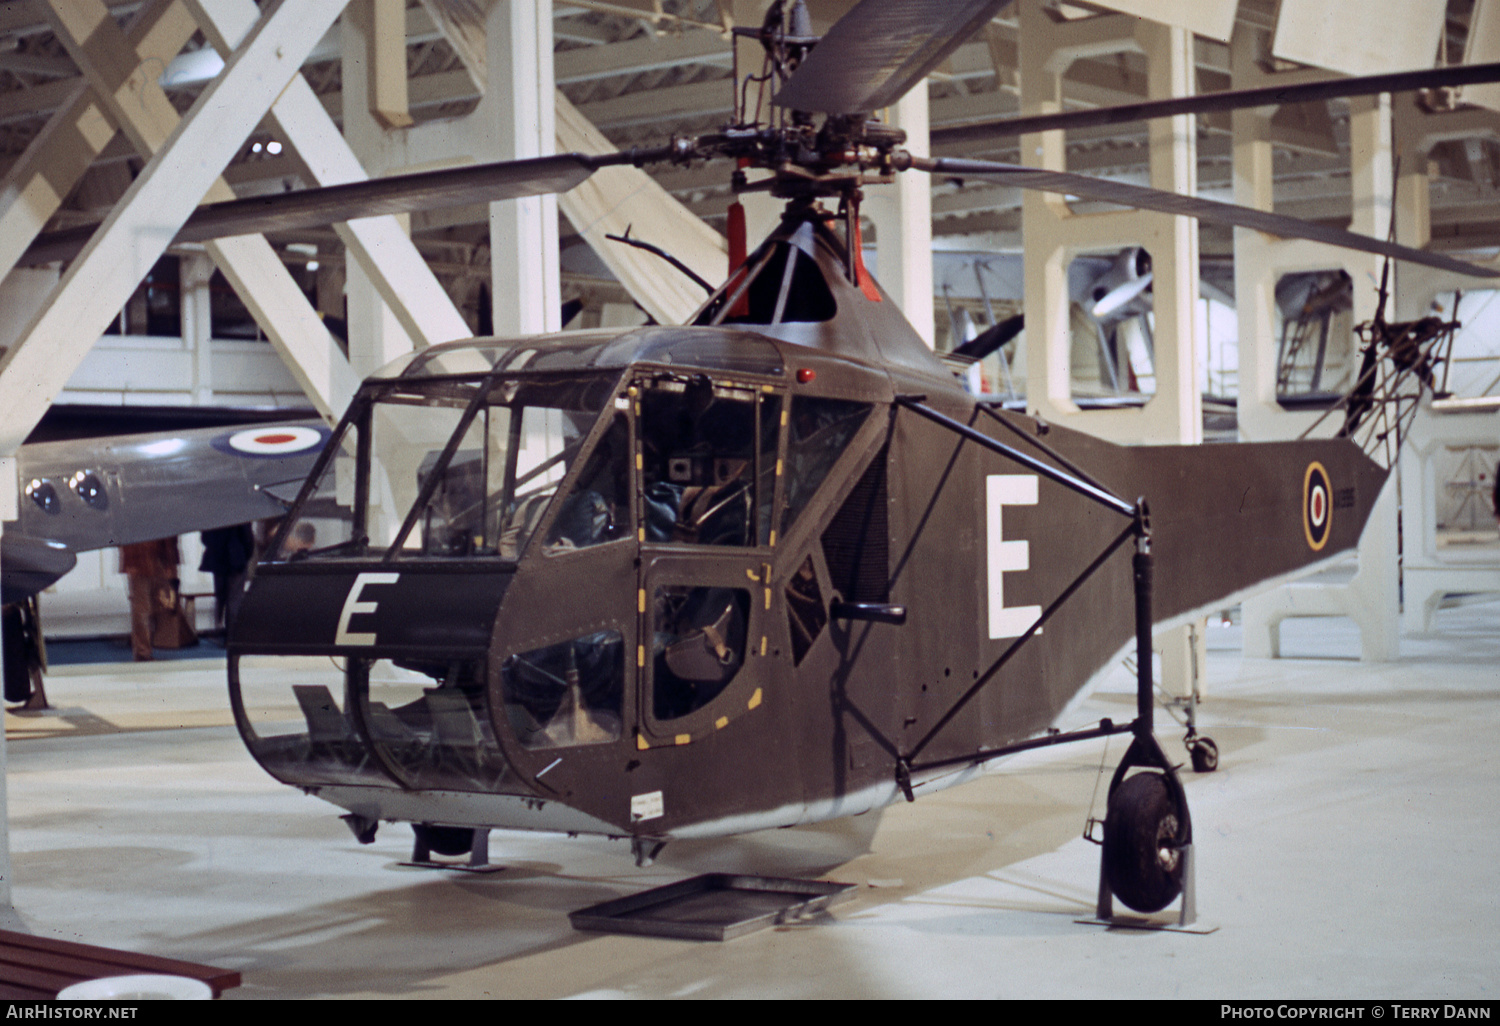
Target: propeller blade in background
[(992, 338), (1106, 191), (874, 54), (1120, 295)]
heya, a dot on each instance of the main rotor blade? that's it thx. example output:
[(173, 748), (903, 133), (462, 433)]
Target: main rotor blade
[(1232, 99), (1104, 190), (398, 194), (879, 50)]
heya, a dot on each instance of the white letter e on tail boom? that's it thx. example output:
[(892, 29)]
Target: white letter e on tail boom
[(1007, 556)]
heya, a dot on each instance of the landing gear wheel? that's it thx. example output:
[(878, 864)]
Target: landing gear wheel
[(1142, 844), (444, 840), (1205, 754)]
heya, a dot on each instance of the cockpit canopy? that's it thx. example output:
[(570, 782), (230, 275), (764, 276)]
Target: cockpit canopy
[(455, 467)]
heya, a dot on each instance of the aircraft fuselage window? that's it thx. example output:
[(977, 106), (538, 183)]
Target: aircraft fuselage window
[(708, 460)]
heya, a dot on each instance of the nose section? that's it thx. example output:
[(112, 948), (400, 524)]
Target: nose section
[(370, 722), (382, 609), (372, 675)]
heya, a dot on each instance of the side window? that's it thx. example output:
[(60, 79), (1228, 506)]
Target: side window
[(597, 510), (820, 430), (566, 694), (708, 461), (698, 645)]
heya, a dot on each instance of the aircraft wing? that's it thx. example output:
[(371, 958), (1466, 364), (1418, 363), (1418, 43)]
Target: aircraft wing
[(99, 493)]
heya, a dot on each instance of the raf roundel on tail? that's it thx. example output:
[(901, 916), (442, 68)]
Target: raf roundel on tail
[(1317, 506)]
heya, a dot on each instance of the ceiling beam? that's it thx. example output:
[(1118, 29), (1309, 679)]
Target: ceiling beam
[(137, 231)]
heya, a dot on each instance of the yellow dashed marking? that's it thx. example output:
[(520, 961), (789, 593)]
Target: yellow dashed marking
[(684, 739), (721, 722), (754, 699)]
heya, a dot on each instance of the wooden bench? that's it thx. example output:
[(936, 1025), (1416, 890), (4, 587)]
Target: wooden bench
[(36, 968)]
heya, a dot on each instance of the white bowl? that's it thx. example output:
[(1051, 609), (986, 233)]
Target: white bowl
[(144, 987)]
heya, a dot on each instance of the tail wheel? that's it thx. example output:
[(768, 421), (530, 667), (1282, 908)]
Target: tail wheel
[(1143, 843), (444, 840), (1205, 755)]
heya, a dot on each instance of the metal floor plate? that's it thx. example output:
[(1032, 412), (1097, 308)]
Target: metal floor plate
[(714, 906)]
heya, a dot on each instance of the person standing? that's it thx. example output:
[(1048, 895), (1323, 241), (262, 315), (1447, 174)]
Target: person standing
[(227, 552), (156, 616)]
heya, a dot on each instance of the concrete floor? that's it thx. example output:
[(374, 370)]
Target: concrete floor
[(1346, 849)]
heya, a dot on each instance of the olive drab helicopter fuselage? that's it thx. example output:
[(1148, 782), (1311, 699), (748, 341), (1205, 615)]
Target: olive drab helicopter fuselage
[(678, 582), (774, 566)]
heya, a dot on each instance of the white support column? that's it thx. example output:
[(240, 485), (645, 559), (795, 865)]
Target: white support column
[(1171, 71), (167, 190), (1372, 597), (1261, 260), (1055, 234), (385, 55), (197, 323), (376, 335), (518, 109), (1430, 574), (902, 215)]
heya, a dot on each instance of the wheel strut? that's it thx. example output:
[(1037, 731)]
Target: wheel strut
[(1151, 851)]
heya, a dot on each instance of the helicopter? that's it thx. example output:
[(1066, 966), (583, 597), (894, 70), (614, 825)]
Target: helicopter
[(770, 567)]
